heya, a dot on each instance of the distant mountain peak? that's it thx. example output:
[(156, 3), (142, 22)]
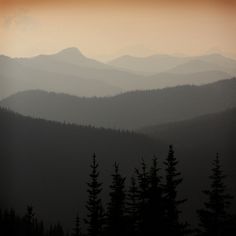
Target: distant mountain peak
[(72, 52)]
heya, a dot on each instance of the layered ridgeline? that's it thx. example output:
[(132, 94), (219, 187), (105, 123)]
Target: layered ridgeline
[(69, 71), (46, 164), (129, 110)]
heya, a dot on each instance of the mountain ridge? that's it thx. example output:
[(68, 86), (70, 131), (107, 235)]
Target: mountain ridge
[(130, 110), (42, 162)]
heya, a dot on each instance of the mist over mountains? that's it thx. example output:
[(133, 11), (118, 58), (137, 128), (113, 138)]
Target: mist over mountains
[(69, 71)]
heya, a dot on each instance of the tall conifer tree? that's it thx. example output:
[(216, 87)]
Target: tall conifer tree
[(29, 219), (143, 186), (116, 207), (76, 229), (173, 180), (214, 218), (94, 204), (132, 206), (155, 206)]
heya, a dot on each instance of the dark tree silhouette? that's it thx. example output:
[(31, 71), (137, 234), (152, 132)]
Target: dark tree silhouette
[(132, 207), (12, 224), (148, 208), (94, 204), (155, 207), (29, 220), (143, 185), (173, 180), (116, 206), (214, 218), (76, 229), (56, 230)]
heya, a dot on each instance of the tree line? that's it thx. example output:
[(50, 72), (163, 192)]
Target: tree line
[(149, 206)]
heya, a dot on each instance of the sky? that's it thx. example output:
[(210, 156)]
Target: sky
[(104, 29)]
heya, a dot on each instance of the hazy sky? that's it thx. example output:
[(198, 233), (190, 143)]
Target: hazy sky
[(108, 28)]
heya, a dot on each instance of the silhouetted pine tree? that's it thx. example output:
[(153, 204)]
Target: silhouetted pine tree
[(132, 207), (173, 179), (143, 186), (214, 218), (76, 229), (155, 205), (10, 223), (94, 204), (29, 219), (116, 207)]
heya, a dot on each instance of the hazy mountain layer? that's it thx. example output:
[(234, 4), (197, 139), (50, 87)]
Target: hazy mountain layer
[(167, 63), (69, 71), (147, 65), (129, 110), (163, 80)]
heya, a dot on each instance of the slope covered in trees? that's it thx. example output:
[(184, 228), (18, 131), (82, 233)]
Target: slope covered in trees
[(201, 135), (216, 216), (46, 163), (196, 140), (207, 131)]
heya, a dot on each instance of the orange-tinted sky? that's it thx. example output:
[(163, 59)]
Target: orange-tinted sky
[(109, 28), (92, 3)]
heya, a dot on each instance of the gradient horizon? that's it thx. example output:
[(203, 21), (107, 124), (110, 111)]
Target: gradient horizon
[(105, 29)]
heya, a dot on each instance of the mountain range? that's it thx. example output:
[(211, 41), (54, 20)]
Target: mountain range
[(69, 71)]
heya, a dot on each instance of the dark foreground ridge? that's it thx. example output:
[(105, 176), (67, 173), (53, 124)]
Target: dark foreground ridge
[(46, 164)]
